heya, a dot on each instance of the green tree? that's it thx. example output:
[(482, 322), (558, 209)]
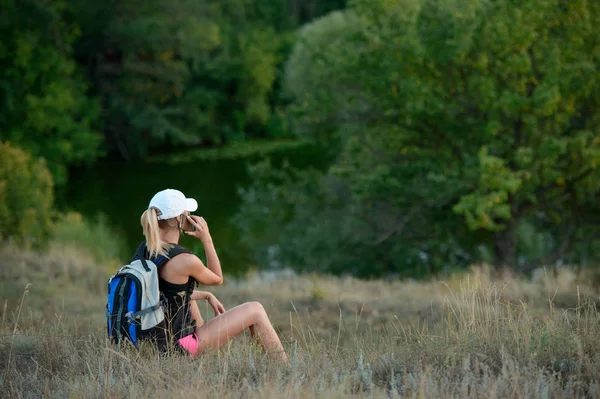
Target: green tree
[(140, 57), (458, 121), (43, 105), (188, 72), (26, 197)]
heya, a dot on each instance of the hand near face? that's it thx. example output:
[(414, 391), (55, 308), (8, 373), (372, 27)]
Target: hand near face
[(202, 233)]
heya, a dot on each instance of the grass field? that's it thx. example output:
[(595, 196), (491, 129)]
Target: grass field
[(475, 335)]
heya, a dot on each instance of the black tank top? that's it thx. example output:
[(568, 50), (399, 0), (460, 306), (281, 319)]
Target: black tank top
[(177, 297)]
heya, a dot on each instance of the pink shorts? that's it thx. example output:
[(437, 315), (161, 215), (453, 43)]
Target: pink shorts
[(189, 343)]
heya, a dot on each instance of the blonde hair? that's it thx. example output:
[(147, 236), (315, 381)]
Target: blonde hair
[(151, 227)]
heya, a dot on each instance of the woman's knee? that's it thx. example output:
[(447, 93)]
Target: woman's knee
[(256, 309)]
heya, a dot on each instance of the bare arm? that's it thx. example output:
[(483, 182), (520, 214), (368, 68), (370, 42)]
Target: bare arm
[(196, 313), (198, 295), (217, 306), (212, 260), (211, 275), (200, 273)]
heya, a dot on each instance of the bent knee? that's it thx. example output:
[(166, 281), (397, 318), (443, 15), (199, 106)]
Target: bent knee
[(256, 308)]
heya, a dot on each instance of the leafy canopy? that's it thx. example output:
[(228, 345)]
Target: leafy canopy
[(188, 72), (458, 122), (43, 106)]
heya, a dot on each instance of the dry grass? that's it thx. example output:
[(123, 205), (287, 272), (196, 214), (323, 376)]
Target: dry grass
[(475, 335)]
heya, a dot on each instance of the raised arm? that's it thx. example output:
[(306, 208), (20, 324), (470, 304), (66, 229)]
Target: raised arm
[(202, 274), (212, 260), (211, 275)]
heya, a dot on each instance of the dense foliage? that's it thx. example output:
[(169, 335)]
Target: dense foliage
[(463, 131), (79, 77), (43, 106), (26, 192), (462, 125)]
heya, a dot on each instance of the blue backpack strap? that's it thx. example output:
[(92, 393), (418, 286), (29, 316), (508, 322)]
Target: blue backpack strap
[(171, 253), (141, 253), (160, 260)]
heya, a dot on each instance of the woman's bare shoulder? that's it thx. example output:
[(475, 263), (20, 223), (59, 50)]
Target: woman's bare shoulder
[(185, 260)]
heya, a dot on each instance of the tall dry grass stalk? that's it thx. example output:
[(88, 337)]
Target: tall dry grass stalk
[(14, 334), (476, 335)]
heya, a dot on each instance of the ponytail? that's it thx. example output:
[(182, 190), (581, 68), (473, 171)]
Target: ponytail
[(155, 244)]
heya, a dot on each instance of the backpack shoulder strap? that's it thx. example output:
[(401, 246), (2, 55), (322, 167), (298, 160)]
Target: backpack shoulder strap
[(171, 253), (142, 253)]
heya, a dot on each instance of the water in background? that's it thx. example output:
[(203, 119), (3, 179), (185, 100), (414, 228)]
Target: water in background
[(122, 190)]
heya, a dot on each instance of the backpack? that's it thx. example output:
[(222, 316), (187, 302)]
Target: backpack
[(134, 305)]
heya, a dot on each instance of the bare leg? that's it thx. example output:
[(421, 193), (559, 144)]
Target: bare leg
[(219, 330)]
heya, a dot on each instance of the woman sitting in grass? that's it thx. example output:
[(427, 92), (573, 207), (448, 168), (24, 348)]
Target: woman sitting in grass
[(163, 222)]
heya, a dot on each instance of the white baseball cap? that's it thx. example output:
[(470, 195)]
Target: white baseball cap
[(172, 203)]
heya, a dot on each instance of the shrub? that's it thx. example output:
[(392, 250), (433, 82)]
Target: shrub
[(95, 237), (26, 197)]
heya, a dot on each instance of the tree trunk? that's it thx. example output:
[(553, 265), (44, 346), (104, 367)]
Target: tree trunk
[(505, 245)]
